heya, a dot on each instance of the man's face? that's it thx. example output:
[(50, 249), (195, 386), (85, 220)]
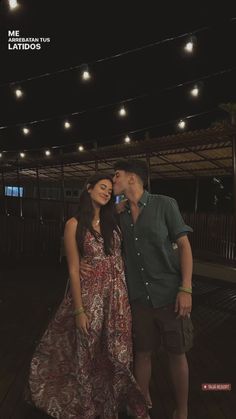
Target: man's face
[(120, 182)]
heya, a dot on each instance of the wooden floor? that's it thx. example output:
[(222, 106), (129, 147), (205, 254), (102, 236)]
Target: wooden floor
[(30, 295)]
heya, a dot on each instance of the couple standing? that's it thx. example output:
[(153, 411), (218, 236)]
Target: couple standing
[(82, 366)]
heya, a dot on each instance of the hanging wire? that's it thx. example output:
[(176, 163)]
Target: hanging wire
[(114, 56), (123, 101), (116, 136)]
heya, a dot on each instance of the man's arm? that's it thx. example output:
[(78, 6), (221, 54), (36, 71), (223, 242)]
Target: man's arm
[(183, 303), (186, 261)]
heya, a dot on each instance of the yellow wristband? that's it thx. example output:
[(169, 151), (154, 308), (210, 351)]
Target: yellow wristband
[(78, 311), (184, 289)]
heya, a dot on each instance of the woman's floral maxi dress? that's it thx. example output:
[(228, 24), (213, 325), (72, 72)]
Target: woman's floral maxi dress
[(78, 377)]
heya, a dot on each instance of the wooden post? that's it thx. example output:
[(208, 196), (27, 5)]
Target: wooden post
[(95, 144), (18, 184), (196, 196), (39, 196), (63, 192), (3, 194), (234, 171), (148, 164), (149, 174), (233, 122), (231, 109)]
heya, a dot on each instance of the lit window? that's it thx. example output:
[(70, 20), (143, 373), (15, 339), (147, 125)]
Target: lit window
[(13, 191)]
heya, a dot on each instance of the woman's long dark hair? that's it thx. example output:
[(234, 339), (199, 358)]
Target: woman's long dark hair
[(108, 217)]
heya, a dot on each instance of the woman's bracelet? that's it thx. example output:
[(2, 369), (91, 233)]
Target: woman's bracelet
[(184, 289), (79, 311)]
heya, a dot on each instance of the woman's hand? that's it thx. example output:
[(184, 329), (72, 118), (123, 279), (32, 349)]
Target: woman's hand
[(82, 323)]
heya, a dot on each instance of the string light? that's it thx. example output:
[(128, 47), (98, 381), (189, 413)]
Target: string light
[(18, 92), (194, 91), (118, 55), (85, 72), (190, 45), (181, 124), (67, 124), (86, 76), (13, 4), (127, 139), (22, 155), (25, 131), (122, 111), (134, 132), (0, 155), (198, 82), (47, 152)]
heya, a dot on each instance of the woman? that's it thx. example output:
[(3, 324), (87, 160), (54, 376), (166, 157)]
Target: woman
[(81, 368)]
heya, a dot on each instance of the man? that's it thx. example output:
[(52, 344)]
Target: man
[(158, 263)]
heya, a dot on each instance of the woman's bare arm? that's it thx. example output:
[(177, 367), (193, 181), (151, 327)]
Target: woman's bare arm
[(73, 260)]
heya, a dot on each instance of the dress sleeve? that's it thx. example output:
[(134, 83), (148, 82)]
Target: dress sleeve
[(174, 220)]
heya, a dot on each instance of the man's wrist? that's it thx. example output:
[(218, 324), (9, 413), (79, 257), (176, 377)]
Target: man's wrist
[(186, 283), (188, 290)]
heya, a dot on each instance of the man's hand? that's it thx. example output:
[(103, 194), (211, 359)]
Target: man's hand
[(84, 268), (183, 304), (121, 206)]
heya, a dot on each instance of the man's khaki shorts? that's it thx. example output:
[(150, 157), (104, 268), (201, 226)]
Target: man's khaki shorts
[(153, 327)]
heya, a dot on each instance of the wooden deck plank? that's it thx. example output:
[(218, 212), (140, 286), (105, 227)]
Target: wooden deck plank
[(29, 299)]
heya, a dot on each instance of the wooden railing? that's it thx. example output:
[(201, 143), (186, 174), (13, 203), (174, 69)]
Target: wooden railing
[(29, 238), (213, 239), (214, 236)]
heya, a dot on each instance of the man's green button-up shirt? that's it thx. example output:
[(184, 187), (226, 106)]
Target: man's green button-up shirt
[(151, 258)]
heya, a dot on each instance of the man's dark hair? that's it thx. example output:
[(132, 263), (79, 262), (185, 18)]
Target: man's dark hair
[(139, 167)]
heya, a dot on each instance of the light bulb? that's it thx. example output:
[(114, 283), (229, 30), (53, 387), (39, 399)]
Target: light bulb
[(25, 131), (18, 93), (85, 73), (13, 4), (181, 124), (195, 91), (190, 44), (127, 139), (67, 124), (122, 111)]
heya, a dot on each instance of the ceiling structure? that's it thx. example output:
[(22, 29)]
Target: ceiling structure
[(190, 155)]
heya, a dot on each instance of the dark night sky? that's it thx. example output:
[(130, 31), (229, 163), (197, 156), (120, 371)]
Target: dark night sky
[(79, 35)]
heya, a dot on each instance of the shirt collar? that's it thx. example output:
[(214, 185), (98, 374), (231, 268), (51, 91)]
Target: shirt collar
[(142, 202)]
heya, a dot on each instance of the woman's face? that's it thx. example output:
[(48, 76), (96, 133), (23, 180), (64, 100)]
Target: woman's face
[(101, 192)]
